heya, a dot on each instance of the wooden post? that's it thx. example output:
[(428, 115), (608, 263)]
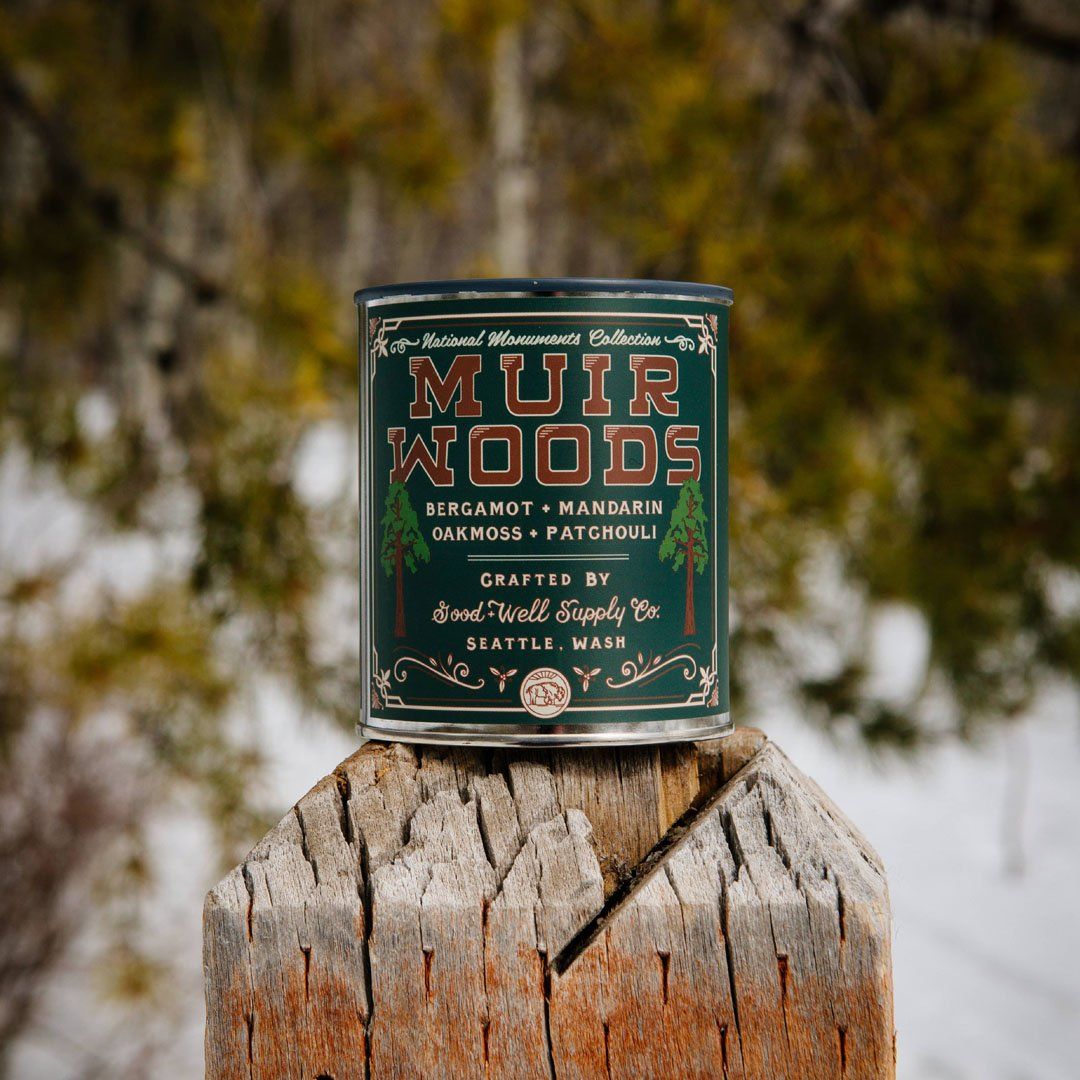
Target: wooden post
[(689, 911)]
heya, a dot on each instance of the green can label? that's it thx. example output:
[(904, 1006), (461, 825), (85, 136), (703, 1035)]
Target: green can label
[(544, 505)]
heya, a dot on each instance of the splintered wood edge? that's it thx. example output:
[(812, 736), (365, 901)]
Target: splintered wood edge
[(770, 916), (722, 765), (304, 883), (718, 761), (733, 758)]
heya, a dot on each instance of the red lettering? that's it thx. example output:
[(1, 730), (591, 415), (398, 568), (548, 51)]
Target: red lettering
[(597, 403), (428, 383), (439, 472), (483, 434), (676, 435), (654, 393), (578, 434), (619, 436), (554, 365)]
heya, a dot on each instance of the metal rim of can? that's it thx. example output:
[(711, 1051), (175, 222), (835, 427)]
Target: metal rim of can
[(553, 736), (634, 734), (453, 288)]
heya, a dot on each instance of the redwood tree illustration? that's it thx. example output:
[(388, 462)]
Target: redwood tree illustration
[(685, 544), (403, 547)]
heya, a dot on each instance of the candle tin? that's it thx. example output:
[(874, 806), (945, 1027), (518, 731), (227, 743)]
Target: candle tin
[(543, 512)]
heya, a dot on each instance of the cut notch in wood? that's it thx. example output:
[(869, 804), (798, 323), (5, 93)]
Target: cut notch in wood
[(730, 764)]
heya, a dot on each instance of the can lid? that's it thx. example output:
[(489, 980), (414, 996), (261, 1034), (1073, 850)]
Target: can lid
[(569, 286)]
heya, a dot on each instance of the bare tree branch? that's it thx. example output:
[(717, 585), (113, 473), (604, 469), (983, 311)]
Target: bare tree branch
[(1010, 20), (104, 205)]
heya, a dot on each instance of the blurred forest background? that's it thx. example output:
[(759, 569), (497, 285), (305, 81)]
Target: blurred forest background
[(190, 191)]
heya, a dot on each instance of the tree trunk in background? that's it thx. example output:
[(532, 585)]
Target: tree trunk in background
[(361, 230), (513, 177)]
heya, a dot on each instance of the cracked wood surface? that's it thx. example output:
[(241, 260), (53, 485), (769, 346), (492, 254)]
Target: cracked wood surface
[(693, 911)]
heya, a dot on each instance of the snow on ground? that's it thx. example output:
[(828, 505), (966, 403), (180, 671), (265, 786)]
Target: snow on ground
[(987, 987)]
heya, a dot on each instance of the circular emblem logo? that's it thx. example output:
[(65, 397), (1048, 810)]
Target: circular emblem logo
[(545, 692)]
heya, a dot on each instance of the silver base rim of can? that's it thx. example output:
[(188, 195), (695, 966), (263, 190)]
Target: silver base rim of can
[(633, 734)]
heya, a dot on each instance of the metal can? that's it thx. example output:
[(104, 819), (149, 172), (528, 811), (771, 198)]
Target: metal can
[(543, 511)]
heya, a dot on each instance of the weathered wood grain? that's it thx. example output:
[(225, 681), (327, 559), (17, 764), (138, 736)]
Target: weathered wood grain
[(697, 911)]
